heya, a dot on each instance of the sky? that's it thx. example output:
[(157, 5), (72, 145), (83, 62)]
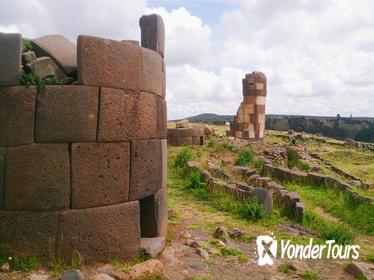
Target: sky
[(318, 55)]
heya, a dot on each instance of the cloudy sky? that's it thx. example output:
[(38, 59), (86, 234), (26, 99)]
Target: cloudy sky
[(318, 55)]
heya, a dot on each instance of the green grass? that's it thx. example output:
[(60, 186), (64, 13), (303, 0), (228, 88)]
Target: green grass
[(310, 275), (183, 157), (358, 215), (19, 263), (229, 251), (295, 161), (244, 157), (283, 268)]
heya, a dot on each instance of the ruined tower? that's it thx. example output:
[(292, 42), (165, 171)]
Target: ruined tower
[(83, 163), (249, 122)]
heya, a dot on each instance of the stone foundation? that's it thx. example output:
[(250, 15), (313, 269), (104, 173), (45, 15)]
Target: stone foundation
[(83, 167)]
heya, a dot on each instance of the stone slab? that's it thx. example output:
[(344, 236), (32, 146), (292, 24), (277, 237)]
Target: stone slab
[(60, 49), (108, 63), (153, 246), (10, 57), (44, 67), (162, 121), (126, 115), (265, 198), (29, 233), (146, 168), (67, 114), (153, 33), (152, 74), (101, 233), (37, 177), (17, 114), (154, 214), (100, 174)]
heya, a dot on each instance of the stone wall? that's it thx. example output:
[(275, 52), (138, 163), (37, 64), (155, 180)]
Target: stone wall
[(249, 122), (185, 136), (83, 167)]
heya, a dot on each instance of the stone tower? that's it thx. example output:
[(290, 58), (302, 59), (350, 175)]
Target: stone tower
[(249, 122)]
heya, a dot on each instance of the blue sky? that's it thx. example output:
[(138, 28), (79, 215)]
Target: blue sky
[(318, 55)]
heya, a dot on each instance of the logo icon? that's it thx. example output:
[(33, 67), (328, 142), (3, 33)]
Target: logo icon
[(266, 246)]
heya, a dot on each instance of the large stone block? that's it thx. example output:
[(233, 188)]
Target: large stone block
[(164, 162), (152, 74), (37, 177), (67, 114), (146, 168), (101, 233), (126, 115), (45, 67), (154, 214), (100, 174), (153, 33), (62, 51), (162, 121), (264, 197), (17, 114), (10, 58), (26, 234), (108, 63)]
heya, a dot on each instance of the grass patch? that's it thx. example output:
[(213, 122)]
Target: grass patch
[(19, 263), (295, 161), (229, 251), (283, 268), (244, 157), (253, 210), (183, 157), (358, 215), (310, 275)]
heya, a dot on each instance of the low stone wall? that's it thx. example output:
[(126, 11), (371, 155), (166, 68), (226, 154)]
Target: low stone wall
[(264, 189), (360, 145), (286, 174), (185, 136), (83, 167)]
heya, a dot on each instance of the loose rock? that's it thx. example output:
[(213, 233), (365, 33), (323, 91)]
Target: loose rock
[(203, 253), (153, 246), (235, 233), (72, 274), (147, 269)]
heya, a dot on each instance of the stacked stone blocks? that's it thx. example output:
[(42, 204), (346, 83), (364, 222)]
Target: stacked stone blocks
[(249, 122), (83, 167)]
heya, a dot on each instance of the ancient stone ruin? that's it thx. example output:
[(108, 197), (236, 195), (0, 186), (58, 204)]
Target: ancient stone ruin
[(249, 122), (83, 166), (183, 134)]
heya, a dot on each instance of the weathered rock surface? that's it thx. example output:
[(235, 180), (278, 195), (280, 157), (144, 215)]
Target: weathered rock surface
[(147, 269), (153, 246), (10, 57), (72, 274), (63, 52)]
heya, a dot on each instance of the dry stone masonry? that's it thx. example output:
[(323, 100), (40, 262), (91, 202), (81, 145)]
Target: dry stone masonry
[(83, 166), (183, 134), (249, 122)]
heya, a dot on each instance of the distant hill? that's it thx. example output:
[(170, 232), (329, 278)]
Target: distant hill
[(357, 128)]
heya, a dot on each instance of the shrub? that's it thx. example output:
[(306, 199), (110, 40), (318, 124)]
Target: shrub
[(212, 142), (244, 157), (30, 79), (27, 46), (23, 264), (258, 165), (196, 186), (294, 160), (310, 275), (183, 157), (253, 210)]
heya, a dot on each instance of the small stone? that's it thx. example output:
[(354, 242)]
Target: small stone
[(153, 246), (359, 269), (198, 265), (5, 267), (202, 253), (119, 275), (36, 276), (187, 235), (150, 268), (235, 233), (220, 232), (221, 243), (101, 276), (107, 269), (45, 67), (194, 244), (28, 56), (72, 274)]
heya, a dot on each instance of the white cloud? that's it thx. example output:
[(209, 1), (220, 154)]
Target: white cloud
[(187, 38), (318, 55), (116, 19)]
